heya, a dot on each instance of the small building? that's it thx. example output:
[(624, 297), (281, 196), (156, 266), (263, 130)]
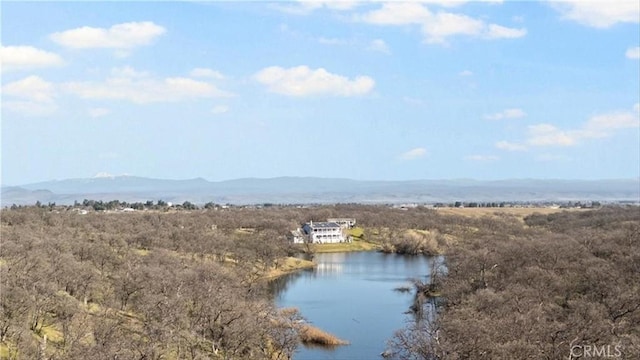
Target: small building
[(323, 232), (345, 223), (296, 237)]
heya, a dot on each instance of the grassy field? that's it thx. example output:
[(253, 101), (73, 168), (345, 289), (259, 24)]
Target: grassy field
[(356, 245), (519, 212)]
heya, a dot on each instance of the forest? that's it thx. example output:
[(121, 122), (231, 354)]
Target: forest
[(559, 286), (77, 283)]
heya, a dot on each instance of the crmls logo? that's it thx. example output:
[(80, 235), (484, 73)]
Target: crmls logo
[(596, 352)]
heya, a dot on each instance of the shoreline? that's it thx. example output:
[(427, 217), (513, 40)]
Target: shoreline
[(290, 265)]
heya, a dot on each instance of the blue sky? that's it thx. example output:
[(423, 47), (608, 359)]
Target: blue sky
[(361, 90)]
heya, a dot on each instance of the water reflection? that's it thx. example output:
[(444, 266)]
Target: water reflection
[(352, 296), (327, 269), (280, 285)]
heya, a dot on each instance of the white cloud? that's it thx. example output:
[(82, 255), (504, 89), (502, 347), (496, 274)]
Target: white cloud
[(98, 112), (597, 127), (443, 3), (340, 5), (397, 13), (206, 73), (448, 24), (633, 53), (436, 27), (599, 14), (414, 154), (506, 114), (455, 3), (501, 32), (444, 25), (31, 96), (31, 88), (303, 81), (549, 135), (482, 158), (220, 109), (379, 45), (604, 125), (119, 36), (141, 88), (465, 73), (307, 7), (611, 121), (27, 57), (509, 146)]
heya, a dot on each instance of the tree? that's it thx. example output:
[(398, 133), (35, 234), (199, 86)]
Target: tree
[(189, 206)]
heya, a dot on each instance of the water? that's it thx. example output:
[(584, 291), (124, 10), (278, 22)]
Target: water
[(351, 295)]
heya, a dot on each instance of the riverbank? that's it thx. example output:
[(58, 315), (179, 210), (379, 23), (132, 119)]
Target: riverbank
[(288, 265), (292, 264)]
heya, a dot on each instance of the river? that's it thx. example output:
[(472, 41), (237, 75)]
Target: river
[(352, 296)]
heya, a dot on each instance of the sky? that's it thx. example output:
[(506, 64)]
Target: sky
[(362, 90)]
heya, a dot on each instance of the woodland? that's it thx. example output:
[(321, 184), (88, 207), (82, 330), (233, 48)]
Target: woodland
[(189, 283), (559, 286)]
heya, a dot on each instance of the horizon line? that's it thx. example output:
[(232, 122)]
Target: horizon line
[(101, 176)]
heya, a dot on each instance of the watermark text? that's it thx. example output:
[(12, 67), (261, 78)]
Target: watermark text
[(593, 351)]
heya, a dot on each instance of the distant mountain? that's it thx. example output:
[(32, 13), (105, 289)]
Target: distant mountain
[(22, 196), (305, 190)]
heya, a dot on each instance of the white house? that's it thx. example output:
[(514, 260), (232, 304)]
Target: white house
[(323, 232), (345, 223)]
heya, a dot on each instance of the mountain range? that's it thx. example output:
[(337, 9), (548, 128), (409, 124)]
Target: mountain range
[(310, 190)]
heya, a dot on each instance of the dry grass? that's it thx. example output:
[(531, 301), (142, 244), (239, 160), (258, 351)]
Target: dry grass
[(311, 335), (7, 350), (287, 265), (289, 311), (356, 232), (53, 334), (480, 212), (356, 245)]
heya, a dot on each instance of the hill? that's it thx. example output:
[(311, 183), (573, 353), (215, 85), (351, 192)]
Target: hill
[(305, 190)]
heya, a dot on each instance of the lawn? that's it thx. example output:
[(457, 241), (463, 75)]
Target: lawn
[(356, 245)]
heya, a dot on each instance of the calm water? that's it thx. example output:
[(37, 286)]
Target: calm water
[(351, 295)]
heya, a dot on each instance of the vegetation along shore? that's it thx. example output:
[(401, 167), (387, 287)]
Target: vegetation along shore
[(192, 283)]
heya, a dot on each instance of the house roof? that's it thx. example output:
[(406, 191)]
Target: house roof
[(323, 225)]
